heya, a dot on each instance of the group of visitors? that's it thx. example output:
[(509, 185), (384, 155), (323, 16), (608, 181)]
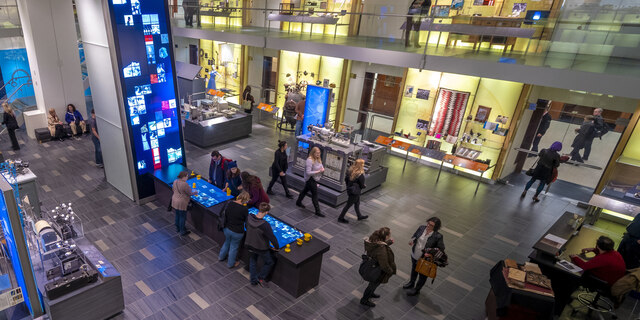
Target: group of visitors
[(72, 117), (426, 243)]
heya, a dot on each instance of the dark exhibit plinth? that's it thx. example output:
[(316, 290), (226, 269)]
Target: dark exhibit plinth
[(99, 300), (218, 130), (296, 272), (563, 282)]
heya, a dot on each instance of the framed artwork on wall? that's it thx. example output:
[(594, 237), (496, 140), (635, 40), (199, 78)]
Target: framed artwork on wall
[(448, 113), (482, 114), (408, 92), (457, 4), (423, 94)]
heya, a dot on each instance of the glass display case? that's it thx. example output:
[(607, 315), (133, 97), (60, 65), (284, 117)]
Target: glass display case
[(284, 232), (624, 181)]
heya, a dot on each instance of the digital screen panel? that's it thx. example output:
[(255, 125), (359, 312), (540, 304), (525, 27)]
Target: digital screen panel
[(316, 107), (142, 36)]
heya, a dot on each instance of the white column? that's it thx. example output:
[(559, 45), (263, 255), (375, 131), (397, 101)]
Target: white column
[(51, 40), (107, 102)]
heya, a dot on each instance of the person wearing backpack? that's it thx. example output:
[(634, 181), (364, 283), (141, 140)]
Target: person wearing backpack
[(378, 248), (259, 235), (600, 129), (235, 217), (426, 237), (218, 169)]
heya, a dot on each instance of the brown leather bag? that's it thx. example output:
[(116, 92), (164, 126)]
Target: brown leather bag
[(427, 268)]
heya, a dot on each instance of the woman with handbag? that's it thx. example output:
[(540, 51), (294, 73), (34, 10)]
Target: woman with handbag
[(548, 159), (182, 193), (378, 248), (355, 183), (426, 237), (235, 217), (247, 100)]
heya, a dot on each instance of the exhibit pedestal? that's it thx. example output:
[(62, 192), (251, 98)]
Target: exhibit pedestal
[(34, 120), (296, 272), (99, 300), (219, 130)]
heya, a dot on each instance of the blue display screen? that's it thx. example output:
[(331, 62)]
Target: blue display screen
[(285, 233), (13, 251), (145, 57), (208, 194), (316, 107)]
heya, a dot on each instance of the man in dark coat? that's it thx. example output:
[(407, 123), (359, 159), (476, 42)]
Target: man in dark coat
[(585, 133), (542, 129), (600, 128)]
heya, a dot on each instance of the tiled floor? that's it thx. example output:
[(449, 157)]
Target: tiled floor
[(166, 276)]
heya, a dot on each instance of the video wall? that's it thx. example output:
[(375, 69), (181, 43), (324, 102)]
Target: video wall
[(145, 57)]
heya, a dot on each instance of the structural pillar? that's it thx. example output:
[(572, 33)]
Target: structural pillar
[(51, 41)]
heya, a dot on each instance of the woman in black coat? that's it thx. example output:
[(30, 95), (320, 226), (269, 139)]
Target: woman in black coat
[(426, 237), (9, 120), (548, 160), (355, 183), (279, 168)]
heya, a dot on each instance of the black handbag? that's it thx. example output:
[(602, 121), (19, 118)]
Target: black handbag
[(222, 218), (532, 169), (369, 269)]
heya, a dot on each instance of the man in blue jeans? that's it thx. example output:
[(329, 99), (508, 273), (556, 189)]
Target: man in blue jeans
[(259, 234), (95, 137)]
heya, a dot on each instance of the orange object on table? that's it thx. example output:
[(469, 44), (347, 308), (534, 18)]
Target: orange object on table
[(465, 163), (384, 140)]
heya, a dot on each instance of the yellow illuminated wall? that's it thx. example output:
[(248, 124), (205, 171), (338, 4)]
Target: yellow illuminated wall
[(332, 6), (234, 19), (317, 68), (501, 96), (226, 58), (632, 149)]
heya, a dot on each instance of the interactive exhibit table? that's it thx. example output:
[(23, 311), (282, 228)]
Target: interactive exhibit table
[(295, 272), (218, 130)]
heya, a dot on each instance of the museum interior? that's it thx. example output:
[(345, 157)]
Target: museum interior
[(463, 159)]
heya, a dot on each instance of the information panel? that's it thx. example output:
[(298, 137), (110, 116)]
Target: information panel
[(143, 43), (316, 107)]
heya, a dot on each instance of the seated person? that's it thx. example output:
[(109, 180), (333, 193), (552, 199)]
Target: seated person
[(629, 247), (55, 125), (607, 265), (74, 119)]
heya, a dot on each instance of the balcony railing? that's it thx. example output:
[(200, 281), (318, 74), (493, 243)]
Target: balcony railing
[(598, 39)]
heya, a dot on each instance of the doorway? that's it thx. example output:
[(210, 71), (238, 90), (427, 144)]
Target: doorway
[(269, 79), (193, 54), (380, 94)]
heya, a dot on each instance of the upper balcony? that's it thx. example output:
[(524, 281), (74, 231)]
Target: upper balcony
[(575, 42)]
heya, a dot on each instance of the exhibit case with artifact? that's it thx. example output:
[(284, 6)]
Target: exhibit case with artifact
[(337, 153), (213, 120)]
